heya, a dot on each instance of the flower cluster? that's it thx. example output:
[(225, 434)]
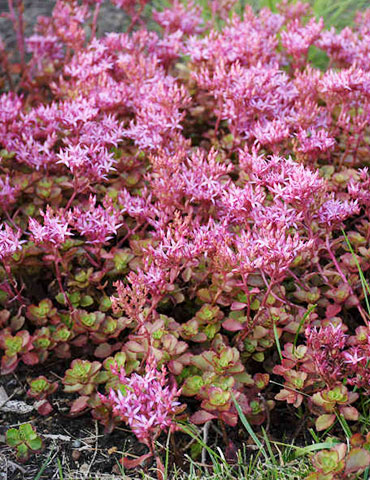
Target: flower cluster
[(9, 242), (54, 230), (146, 403)]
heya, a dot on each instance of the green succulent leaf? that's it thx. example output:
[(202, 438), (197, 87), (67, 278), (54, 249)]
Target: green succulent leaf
[(27, 432), (12, 437), (324, 421), (35, 444), (23, 452)]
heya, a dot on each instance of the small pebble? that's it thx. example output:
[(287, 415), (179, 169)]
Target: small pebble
[(84, 468), (76, 454), (76, 444)]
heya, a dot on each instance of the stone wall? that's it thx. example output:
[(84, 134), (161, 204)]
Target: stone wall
[(110, 18)]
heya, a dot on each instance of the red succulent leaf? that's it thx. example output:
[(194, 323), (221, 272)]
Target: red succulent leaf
[(44, 408), (349, 413), (229, 418), (103, 350), (8, 364), (128, 463), (232, 325), (80, 404), (333, 309), (358, 459), (201, 416), (30, 358)]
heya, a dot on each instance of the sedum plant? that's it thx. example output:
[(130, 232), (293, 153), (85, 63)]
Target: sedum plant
[(81, 377), (147, 404), (24, 440), (194, 198), (40, 389), (339, 463)]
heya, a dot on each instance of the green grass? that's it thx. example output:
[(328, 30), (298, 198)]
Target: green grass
[(247, 467), (364, 283), (339, 13)]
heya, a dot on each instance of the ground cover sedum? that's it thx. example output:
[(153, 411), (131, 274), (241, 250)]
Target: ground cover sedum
[(184, 241)]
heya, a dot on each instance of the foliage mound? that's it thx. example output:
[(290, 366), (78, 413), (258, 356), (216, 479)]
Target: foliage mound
[(185, 219)]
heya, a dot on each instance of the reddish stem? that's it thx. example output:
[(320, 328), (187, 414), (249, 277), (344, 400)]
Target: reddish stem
[(343, 277), (219, 116), (90, 258), (60, 284), (95, 21), (13, 285), (135, 18), (18, 26)]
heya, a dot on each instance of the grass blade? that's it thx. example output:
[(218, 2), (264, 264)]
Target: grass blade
[(364, 283), (60, 469), (277, 341), (301, 451), (44, 465), (268, 445), (186, 428), (310, 309), (248, 427), (343, 423)]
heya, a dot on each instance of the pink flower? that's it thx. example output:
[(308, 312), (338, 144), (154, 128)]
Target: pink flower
[(146, 403), (336, 211), (287, 180), (138, 207), (45, 48), (158, 116), (202, 176), (353, 356), (8, 194), (351, 83), (178, 17), (298, 38), (271, 132), (128, 5), (236, 203), (68, 19), (340, 47), (93, 161), (277, 249), (97, 223), (36, 154), (10, 106), (54, 231), (313, 142), (76, 112), (245, 94), (325, 347), (292, 11), (360, 190), (9, 241), (248, 41)]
